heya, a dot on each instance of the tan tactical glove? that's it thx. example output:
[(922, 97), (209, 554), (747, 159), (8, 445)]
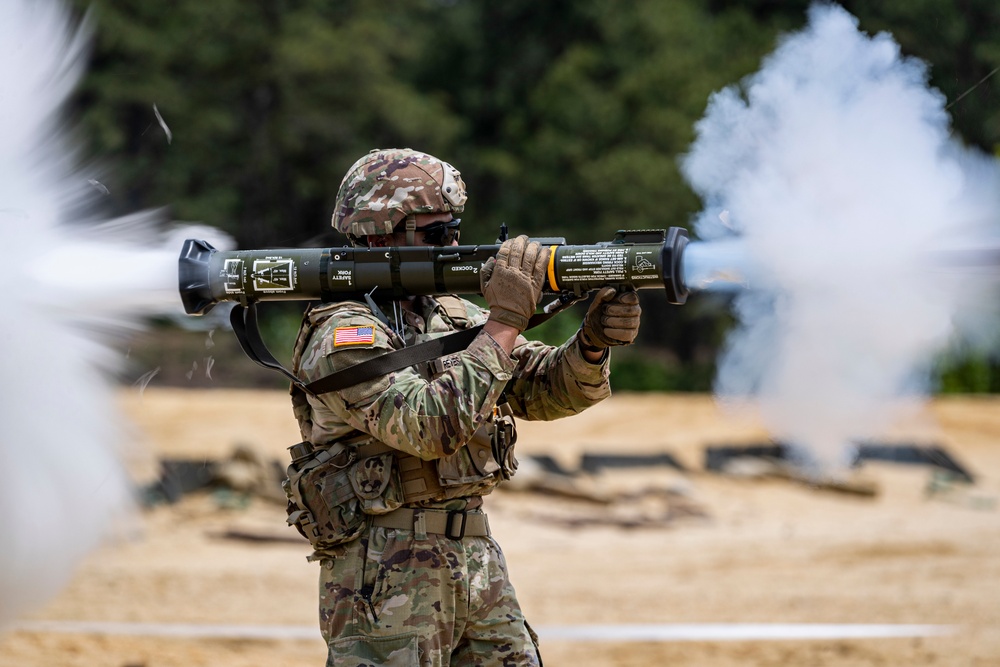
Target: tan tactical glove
[(512, 282), (613, 319)]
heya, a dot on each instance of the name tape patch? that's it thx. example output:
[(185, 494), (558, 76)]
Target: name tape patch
[(353, 336)]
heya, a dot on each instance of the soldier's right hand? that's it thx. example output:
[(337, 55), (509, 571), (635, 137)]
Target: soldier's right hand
[(512, 281)]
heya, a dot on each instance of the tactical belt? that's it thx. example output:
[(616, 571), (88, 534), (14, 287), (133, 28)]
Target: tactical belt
[(455, 524)]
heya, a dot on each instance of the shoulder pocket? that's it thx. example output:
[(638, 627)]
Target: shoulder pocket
[(351, 340)]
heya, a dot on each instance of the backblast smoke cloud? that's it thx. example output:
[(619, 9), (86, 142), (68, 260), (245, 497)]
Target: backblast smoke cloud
[(833, 174), (74, 281)]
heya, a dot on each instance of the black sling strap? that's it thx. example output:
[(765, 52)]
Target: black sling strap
[(244, 321), (396, 360)]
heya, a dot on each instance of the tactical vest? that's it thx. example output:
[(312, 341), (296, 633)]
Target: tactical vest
[(333, 487)]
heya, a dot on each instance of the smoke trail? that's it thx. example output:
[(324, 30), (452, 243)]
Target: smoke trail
[(836, 165), (73, 282)]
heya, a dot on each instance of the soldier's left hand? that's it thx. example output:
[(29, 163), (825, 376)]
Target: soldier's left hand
[(613, 319)]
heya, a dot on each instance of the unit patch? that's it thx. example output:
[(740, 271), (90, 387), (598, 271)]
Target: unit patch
[(353, 336)]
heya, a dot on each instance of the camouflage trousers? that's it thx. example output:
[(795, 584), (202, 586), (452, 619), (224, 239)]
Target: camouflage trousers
[(391, 599)]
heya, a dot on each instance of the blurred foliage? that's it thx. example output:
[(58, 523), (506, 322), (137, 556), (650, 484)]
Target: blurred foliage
[(971, 373), (566, 117)]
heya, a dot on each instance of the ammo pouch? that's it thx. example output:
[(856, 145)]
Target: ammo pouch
[(330, 491)]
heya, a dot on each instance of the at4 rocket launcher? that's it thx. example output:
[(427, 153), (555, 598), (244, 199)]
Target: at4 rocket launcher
[(633, 259)]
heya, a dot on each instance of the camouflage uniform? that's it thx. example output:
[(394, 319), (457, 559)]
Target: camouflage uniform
[(405, 597)]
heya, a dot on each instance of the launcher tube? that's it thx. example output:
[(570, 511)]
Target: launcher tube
[(637, 260)]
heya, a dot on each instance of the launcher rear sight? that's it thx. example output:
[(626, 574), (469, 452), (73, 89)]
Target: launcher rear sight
[(634, 259)]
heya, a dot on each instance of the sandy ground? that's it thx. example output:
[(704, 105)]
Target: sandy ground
[(730, 550)]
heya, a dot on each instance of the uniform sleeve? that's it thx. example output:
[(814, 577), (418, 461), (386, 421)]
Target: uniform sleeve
[(553, 382), (428, 418)]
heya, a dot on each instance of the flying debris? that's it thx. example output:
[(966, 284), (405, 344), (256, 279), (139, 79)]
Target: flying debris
[(100, 187), (163, 124)]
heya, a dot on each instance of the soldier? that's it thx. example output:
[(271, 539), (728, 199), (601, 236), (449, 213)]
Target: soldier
[(389, 488)]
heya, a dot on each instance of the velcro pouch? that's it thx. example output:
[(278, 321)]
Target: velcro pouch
[(323, 504), (375, 482)]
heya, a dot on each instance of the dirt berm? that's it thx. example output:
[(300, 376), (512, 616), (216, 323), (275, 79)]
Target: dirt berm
[(655, 547)]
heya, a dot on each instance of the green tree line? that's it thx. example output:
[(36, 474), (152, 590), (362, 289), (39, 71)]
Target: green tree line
[(565, 117)]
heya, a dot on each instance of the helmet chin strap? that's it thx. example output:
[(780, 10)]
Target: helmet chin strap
[(411, 230)]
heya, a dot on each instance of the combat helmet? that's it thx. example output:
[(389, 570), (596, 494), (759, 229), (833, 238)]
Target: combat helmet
[(389, 186)]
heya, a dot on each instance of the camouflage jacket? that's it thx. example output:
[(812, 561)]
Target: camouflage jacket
[(433, 409)]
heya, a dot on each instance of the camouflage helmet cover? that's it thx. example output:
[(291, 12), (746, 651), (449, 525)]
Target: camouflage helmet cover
[(386, 186)]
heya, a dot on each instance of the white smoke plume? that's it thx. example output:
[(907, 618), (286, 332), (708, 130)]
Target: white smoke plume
[(73, 281), (833, 175)]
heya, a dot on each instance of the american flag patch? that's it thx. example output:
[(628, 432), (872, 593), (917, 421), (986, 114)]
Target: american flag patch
[(353, 336)]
